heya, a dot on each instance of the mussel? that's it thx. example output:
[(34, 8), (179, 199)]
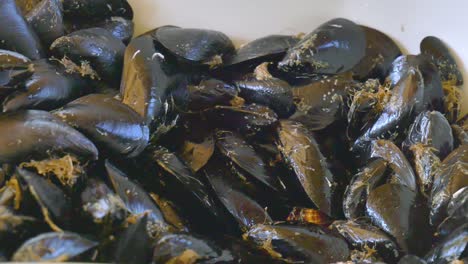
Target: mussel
[(457, 213), (197, 46), (96, 9), (111, 124), (46, 18), (334, 47), (14, 68), (293, 243), (56, 247), (303, 155), (39, 134), (451, 248), (135, 239), (397, 210), (16, 34), (50, 86), (96, 46)]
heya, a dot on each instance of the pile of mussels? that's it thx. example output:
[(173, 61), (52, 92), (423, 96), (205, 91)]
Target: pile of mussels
[(320, 148)]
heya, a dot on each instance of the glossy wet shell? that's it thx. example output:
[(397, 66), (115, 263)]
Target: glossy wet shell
[(334, 47), (303, 155), (298, 243), (111, 124), (396, 209), (49, 87), (40, 134), (46, 19), (53, 247), (16, 34), (92, 9), (14, 69), (134, 239)]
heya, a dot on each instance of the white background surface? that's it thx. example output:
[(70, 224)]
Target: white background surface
[(406, 21)]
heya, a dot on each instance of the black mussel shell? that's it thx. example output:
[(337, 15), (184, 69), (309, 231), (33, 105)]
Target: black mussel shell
[(425, 163), (397, 210), (136, 200), (46, 19), (302, 153), (119, 27), (439, 53), (96, 9), (457, 211), (361, 185), (16, 34), (294, 243), (172, 213), (450, 178), (15, 229), (248, 120), (451, 248), (267, 49), (194, 45), (321, 103), (56, 246), (14, 69), (49, 87), (206, 95), (245, 210), (361, 235), (148, 76), (197, 150), (108, 122), (233, 146), (381, 51), (411, 259), (38, 134), (102, 205), (55, 206), (402, 171), (334, 47), (134, 244), (433, 130), (186, 188), (272, 92), (460, 135), (99, 47), (187, 248)]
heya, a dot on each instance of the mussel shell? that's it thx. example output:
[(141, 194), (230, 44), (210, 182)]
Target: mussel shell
[(233, 146), (334, 47), (14, 69), (187, 248), (460, 135), (39, 134), (431, 129), (272, 92), (51, 199), (439, 53), (402, 171), (192, 193), (57, 246), (119, 27), (397, 210), (381, 51), (198, 147), (111, 124), (194, 45), (207, 94), (134, 244), (411, 259), (46, 19), (49, 87), (245, 210), (293, 243), (148, 76), (101, 204), (16, 34), (452, 247), (96, 9), (269, 48), (303, 155), (320, 103), (457, 211), (248, 120), (425, 164), (450, 178), (136, 200), (98, 46), (361, 185), (15, 228), (361, 234)]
